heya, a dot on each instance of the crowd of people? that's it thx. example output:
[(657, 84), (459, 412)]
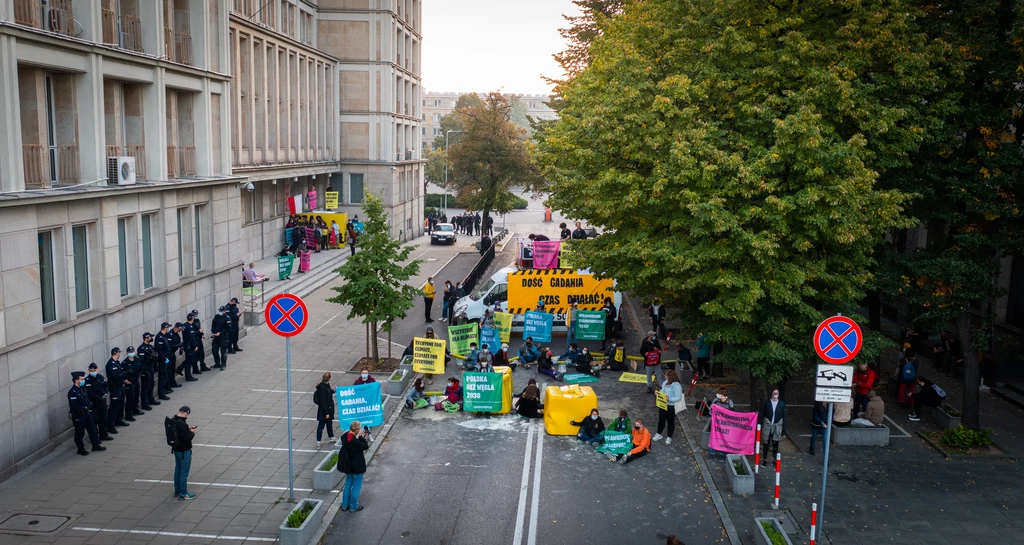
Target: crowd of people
[(467, 223), (313, 234)]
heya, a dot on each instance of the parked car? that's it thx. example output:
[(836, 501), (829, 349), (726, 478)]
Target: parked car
[(444, 233)]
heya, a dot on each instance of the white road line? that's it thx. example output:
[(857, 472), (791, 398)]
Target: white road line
[(523, 487), (257, 448), (893, 422), (278, 391), (328, 321), (175, 534), (229, 485), (266, 416), (535, 506)]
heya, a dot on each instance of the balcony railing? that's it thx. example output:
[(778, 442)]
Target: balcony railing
[(131, 33), (60, 18), (187, 156), (139, 153), (110, 27), (183, 48), (34, 157), (68, 164), (172, 162), (26, 12)]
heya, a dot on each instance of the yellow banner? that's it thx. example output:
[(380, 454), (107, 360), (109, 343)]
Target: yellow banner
[(557, 288), (428, 356), (661, 400), (340, 218), (332, 200), (503, 323), (638, 378)]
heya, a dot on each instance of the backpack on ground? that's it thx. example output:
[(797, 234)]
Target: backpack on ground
[(907, 372), (171, 431)]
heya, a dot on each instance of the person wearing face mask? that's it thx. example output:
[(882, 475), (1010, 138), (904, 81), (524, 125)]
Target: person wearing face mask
[(570, 326), (650, 348), (147, 353), (722, 399), (528, 353), (428, 298), (81, 417), (773, 427), (116, 381), (673, 390), (591, 429), (472, 361), (485, 358), (585, 363), (500, 357), (364, 376), (446, 300), (452, 394), (615, 358), (133, 370), (221, 331), (544, 364), (528, 405), (96, 389), (641, 443)]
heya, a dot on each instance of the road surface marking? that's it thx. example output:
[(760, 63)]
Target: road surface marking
[(278, 391), (266, 416), (174, 534), (893, 422), (229, 485), (534, 507), (256, 448), (523, 487)]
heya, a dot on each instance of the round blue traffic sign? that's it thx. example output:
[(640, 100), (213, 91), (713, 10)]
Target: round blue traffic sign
[(286, 315), (838, 339)]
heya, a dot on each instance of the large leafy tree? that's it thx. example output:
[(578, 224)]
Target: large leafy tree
[(731, 151), (375, 286), (967, 181), (434, 171)]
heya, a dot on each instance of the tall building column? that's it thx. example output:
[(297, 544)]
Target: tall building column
[(12, 167)]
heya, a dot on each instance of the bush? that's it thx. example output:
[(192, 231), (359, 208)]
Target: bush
[(436, 200), (330, 463), (773, 534), (948, 409), (738, 466), (961, 438), (298, 516)]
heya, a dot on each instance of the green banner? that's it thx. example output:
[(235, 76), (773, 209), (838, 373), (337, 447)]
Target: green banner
[(459, 337), (616, 443), (483, 392), (590, 325), (579, 378)]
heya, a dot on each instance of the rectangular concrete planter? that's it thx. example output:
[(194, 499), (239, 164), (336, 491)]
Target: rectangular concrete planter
[(761, 537), (398, 381), (853, 436), (740, 484), (705, 436), (406, 364), (325, 480), (303, 534), (943, 418)]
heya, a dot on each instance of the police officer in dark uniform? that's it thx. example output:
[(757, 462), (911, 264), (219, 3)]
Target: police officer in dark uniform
[(165, 356), (200, 336), (177, 350), (236, 320), (132, 366), (190, 345), (96, 390), (149, 359), (117, 380), (78, 408), (221, 329)]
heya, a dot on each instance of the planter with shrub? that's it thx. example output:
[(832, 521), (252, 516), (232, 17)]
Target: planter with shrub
[(741, 477), (946, 416), (326, 476), (768, 531), (398, 381), (302, 522)]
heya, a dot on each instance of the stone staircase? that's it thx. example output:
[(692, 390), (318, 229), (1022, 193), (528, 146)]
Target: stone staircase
[(300, 284)]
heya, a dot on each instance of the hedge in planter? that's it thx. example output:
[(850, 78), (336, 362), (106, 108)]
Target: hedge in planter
[(301, 523), (326, 477)]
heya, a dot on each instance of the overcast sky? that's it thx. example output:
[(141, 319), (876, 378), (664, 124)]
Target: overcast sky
[(487, 45)]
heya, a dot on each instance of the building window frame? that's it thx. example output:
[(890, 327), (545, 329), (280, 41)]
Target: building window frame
[(122, 255), (352, 184), (47, 276), (181, 242), (80, 267), (198, 215), (147, 251)]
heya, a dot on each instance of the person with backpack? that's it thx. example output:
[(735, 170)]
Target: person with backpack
[(651, 350), (323, 398), (929, 394), (906, 373), (353, 465), (179, 437)]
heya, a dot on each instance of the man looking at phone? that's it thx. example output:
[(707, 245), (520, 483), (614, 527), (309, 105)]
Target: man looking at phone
[(183, 453)]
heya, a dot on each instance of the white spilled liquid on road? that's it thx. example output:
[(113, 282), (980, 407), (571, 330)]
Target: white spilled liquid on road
[(495, 423)]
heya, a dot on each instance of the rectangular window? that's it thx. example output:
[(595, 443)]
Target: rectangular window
[(199, 236), (80, 246), (147, 251), (181, 242), (122, 254), (355, 188), (46, 286)]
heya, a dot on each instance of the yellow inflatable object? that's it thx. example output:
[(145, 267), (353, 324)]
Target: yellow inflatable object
[(563, 404), (506, 389)]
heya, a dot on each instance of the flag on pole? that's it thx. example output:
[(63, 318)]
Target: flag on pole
[(295, 204)]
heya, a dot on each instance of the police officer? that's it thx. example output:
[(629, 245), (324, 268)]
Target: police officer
[(132, 367), (221, 329), (200, 336), (78, 408), (190, 345), (164, 357), (235, 314), (177, 349), (149, 359), (116, 379), (96, 390)]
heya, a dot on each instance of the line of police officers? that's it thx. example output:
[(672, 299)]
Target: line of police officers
[(129, 383)]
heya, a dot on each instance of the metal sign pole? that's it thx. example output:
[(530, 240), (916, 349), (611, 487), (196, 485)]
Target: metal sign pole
[(824, 472), (288, 387)]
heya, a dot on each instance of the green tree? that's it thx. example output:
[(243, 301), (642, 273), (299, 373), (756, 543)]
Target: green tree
[(375, 286), (491, 156), (730, 151)]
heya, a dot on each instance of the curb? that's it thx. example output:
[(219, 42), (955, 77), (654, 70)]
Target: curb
[(1007, 456)]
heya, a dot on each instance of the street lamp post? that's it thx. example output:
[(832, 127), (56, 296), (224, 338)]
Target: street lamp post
[(446, 134)]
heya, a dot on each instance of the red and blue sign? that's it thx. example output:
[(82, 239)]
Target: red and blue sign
[(286, 315), (838, 340)]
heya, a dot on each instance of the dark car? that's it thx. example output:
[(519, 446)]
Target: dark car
[(444, 233)]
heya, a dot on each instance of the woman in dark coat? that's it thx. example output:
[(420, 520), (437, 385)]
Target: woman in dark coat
[(528, 405), (353, 465), (324, 399)]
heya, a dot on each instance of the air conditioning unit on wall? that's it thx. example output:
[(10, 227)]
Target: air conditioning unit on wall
[(121, 170)]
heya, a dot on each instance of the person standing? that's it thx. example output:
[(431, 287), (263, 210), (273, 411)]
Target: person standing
[(609, 321), (674, 391), (149, 371), (657, 313), (78, 407), (428, 298), (353, 465), (703, 356), (197, 324), (117, 381), (182, 450), (570, 330), (323, 397), (650, 349), (565, 233), (446, 300), (165, 356), (221, 330), (176, 341), (907, 376), (722, 400), (189, 345), (236, 322), (819, 423), (96, 389), (132, 366), (579, 233), (773, 427)]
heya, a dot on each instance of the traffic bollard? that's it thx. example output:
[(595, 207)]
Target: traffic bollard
[(757, 451), (814, 520), (778, 474)]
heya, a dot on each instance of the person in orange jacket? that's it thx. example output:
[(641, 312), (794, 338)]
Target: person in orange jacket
[(641, 443)]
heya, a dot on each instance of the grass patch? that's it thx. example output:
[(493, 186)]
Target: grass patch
[(298, 516), (739, 467), (773, 534), (330, 463)]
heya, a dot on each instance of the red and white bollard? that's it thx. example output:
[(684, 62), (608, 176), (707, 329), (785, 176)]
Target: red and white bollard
[(778, 474), (814, 520), (757, 450)]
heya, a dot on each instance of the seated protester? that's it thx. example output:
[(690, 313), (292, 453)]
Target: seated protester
[(485, 357), (875, 412), (622, 423), (929, 395), (585, 363), (590, 428), (416, 393), (528, 405), (641, 443), (683, 354), (615, 357), (501, 357), (528, 353), (841, 414), (452, 394), (568, 358), (544, 364), (472, 361)]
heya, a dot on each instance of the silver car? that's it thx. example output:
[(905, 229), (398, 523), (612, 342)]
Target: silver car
[(444, 233)]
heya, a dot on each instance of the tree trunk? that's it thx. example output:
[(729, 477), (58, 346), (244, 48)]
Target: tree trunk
[(972, 370), (874, 310), (389, 344), (367, 340), (758, 389), (376, 352)]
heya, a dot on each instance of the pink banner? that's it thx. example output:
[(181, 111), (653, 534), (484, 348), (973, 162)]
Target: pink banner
[(732, 431), (304, 258), (311, 197), (545, 254)]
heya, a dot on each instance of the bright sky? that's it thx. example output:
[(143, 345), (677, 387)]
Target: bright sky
[(487, 45)]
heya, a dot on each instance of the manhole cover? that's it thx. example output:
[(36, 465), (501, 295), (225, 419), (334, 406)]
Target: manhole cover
[(34, 524)]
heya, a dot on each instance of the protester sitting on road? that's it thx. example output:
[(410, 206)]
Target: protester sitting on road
[(615, 358), (590, 428), (585, 363), (569, 356), (452, 394), (528, 353), (875, 413), (726, 403), (500, 358), (528, 405), (819, 422), (929, 394), (472, 360), (416, 393), (641, 443), (621, 423), (544, 364)]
